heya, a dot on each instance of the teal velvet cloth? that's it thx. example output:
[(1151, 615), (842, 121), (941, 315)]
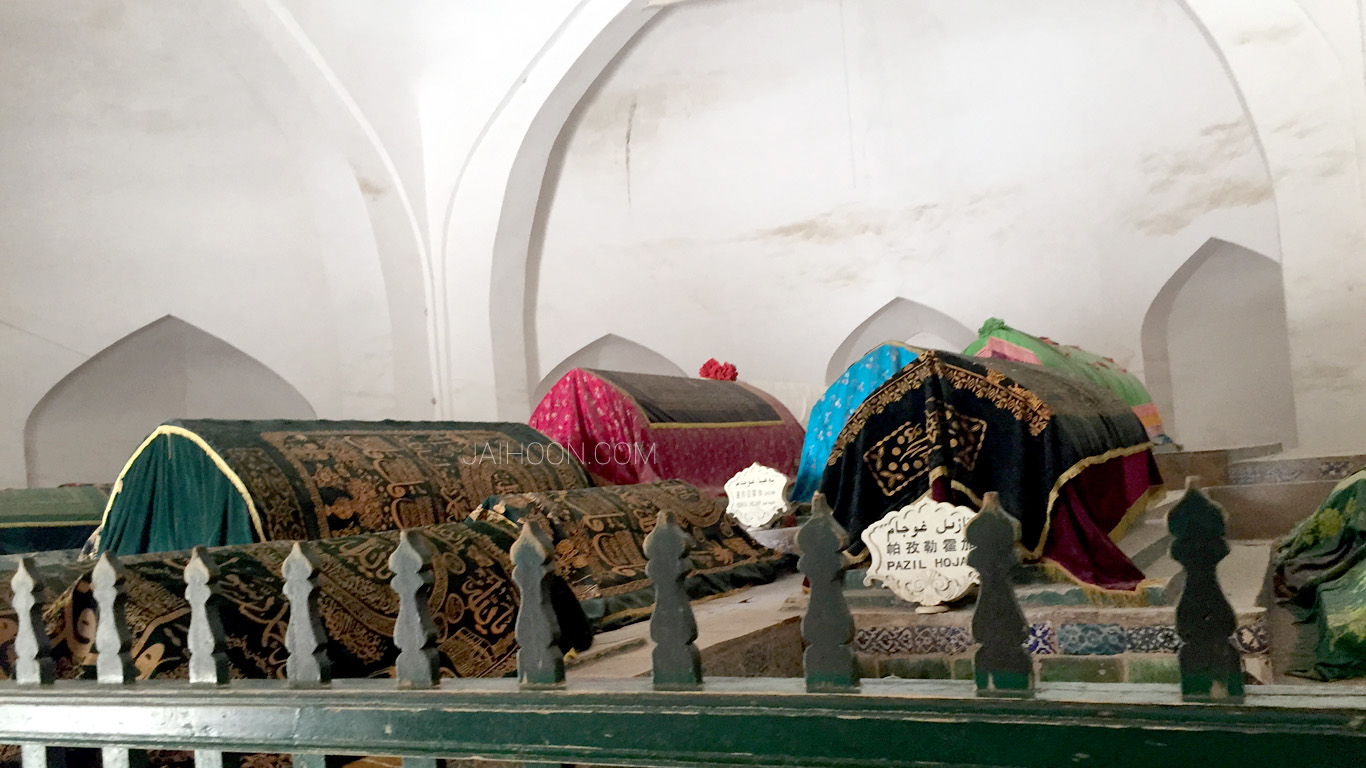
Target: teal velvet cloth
[(170, 476)]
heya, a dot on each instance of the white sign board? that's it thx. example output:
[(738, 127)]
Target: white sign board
[(921, 553), (757, 495)]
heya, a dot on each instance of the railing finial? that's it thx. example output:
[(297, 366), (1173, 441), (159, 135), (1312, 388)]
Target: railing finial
[(1210, 665), (1002, 665), (418, 664), (208, 662), (675, 662), (305, 636), (827, 627), (113, 663), (33, 663), (539, 661)]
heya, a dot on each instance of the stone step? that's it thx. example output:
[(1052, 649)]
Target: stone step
[(747, 633), (1212, 465), (1242, 575), (1148, 539), (1289, 468), (1268, 510)]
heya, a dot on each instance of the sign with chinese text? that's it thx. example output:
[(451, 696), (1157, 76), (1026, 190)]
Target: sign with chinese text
[(756, 495), (921, 552)]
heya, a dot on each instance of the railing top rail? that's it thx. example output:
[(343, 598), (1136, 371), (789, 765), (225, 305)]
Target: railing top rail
[(724, 722), (252, 693)]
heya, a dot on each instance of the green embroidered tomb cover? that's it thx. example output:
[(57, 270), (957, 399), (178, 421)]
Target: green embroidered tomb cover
[(210, 482)]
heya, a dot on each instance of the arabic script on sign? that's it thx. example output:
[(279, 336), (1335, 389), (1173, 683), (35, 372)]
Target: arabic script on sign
[(756, 495), (921, 552)]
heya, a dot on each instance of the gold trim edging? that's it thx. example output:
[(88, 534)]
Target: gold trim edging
[(171, 429)]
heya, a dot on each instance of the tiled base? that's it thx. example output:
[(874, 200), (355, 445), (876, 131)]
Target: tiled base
[(1079, 645), (1125, 668), (1052, 637)]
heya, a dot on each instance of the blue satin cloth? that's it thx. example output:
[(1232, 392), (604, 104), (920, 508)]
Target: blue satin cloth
[(830, 413)]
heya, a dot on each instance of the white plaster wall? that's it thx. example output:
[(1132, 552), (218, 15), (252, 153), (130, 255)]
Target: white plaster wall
[(754, 178), (1307, 100), (167, 370), (899, 320), (794, 165), (145, 174)]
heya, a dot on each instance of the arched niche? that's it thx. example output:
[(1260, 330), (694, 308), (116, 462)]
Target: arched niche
[(1216, 351), (85, 427), (898, 320), (613, 353)]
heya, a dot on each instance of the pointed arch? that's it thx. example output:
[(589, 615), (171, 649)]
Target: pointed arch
[(85, 427), (897, 320), (1216, 350), (613, 353)]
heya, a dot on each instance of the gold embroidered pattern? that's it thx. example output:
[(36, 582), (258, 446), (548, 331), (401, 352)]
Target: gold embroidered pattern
[(900, 458), (1023, 404), (904, 455), (959, 433), (473, 603), (599, 535), (284, 521), (911, 377), (359, 482)]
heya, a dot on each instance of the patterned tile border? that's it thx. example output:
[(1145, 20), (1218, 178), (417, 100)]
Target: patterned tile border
[(1071, 639), (1153, 639), (1092, 639), (894, 641), (1252, 638), (1042, 640)]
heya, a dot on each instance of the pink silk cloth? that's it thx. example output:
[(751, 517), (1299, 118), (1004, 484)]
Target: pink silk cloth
[(608, 431)]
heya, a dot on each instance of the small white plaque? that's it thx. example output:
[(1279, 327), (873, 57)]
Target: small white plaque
[(757, 495), (921, 552)]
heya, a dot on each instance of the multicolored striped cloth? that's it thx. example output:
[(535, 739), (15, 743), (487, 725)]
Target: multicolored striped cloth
[(996, 339)]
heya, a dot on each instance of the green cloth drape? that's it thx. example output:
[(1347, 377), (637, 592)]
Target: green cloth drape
[(1319, 575), (171, 475)]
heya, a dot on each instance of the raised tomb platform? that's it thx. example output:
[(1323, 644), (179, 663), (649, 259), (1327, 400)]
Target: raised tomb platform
[(1072, 638)]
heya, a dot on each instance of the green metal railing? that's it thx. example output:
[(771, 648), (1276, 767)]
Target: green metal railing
[(830, 718)]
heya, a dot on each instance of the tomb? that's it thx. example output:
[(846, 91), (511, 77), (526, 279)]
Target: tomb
[(634, 427), (49, 519), (996, 339), (1319, 581), (1070, 460), (212, 482)]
